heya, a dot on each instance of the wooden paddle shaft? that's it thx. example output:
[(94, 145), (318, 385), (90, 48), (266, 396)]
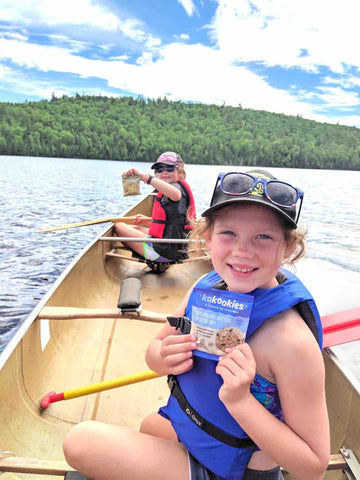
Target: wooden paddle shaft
[(94, 222), (149, 239)]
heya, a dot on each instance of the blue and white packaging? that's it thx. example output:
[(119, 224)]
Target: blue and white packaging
[(220, 319)]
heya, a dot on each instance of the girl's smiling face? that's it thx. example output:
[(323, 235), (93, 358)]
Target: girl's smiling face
[(248, 246)]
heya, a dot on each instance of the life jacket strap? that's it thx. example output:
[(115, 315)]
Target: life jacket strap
[(200, 421)]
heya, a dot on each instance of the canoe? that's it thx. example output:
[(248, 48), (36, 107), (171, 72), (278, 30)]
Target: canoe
[(76, 337)]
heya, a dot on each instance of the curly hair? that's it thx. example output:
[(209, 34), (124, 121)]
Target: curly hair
[(181, 167)]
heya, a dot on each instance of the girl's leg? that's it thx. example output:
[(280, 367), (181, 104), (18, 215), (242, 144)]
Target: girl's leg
[(155, 424), (123, 230), (107, 452)]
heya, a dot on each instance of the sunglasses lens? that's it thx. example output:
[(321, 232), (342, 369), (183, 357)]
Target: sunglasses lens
[(236, 183), (167, 168), (281, 193)]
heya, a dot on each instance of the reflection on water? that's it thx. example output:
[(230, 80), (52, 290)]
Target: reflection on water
[(50, 192)]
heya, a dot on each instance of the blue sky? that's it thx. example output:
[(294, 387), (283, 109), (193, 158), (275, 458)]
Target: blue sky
[(298, 57)]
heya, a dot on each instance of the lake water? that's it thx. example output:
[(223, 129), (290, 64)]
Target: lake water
[(41, 192)]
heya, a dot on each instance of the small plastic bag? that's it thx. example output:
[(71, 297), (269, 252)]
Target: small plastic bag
[(131, 185)]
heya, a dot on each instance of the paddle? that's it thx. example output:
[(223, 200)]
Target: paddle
[(52, 397), (129, 220)]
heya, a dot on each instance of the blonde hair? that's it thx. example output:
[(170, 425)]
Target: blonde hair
[(181, 167), (294, 238)]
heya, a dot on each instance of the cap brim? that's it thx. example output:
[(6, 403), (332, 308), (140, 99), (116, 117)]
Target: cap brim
[(247, 199), (164, 162)]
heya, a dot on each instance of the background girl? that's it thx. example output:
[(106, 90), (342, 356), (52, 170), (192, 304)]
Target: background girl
[(173, 212)]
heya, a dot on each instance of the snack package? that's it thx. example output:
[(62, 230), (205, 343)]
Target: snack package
[(220, 319), (131, 185)]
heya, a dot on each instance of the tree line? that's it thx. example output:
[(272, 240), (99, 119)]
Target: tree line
[(139, 129)]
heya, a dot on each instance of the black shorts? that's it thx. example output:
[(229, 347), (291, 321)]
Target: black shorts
[(199, 472)]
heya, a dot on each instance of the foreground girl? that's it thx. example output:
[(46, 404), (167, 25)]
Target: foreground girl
[(262, 403)]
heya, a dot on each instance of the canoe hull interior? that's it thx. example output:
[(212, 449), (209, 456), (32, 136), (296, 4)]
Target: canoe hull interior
[(60, 355)]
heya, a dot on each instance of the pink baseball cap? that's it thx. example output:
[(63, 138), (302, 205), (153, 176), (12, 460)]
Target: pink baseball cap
[(169, 158)]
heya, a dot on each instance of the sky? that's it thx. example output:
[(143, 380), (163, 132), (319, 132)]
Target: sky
[(297, 57)]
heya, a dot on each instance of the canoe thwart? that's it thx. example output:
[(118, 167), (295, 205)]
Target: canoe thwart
[(72, 313), (61, 468), (34, 466), (130, 295), (352, 462)]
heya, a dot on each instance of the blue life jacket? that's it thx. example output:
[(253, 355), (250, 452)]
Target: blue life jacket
[(201, 384)]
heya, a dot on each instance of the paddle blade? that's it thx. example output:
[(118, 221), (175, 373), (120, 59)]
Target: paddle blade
[(341, 327)]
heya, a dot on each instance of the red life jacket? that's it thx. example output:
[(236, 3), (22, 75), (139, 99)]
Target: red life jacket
[(180, 213)]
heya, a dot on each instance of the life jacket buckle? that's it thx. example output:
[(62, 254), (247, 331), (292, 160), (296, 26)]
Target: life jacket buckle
[(180, 323)]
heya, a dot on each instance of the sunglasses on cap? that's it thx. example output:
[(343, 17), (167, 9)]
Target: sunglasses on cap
[(164, 168), (279, 193)]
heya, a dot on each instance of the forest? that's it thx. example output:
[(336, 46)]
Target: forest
[(139, 129)]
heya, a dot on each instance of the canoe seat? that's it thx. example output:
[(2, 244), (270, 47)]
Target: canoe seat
[(76, 476), (130, 295)]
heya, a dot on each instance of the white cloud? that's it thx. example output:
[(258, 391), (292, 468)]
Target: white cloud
[(276, 32), (188, 6), (45, 12), (14, 35), (337, 97), (183, 36), (73, 13), (182, 72)]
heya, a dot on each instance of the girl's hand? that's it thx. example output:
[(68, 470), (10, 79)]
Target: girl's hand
[(141, 220), (237, 369), (176, 352), (133, 171)]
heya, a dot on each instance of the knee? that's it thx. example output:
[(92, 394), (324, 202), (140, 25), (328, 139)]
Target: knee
[(156, 425), (119, 228), (146, 425), (77, 443)]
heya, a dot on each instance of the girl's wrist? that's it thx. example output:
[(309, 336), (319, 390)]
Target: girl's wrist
[(149, 179), (239, 406)]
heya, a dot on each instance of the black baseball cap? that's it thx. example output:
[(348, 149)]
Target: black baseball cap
[(257, 195)]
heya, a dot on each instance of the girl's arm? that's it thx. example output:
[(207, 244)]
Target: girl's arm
[(163, 187), (167, 189), (170, 352), (300, 444)]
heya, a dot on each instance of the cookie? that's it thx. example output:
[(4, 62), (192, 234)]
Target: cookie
[(229, 337)]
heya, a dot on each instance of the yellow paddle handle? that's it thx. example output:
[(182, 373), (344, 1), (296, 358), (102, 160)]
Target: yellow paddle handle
[(107, 385)]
